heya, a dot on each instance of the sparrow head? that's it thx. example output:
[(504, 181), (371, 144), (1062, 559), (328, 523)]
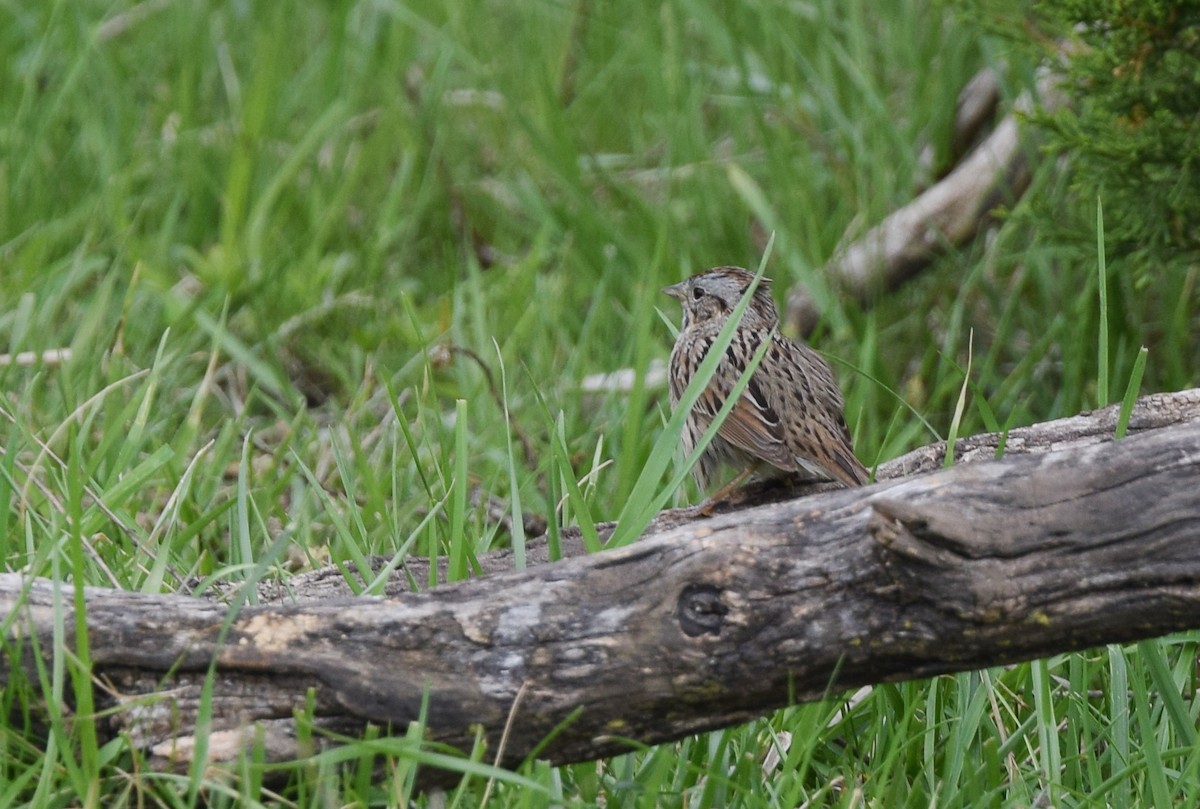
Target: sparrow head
[(711, 296)]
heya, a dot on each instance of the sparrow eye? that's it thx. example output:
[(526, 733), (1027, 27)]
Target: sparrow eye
[(697, 293)]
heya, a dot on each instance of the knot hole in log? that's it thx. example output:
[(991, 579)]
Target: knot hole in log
[(701, 611)]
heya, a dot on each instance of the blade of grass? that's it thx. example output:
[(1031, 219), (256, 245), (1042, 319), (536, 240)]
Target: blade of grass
[(879, 383), (241, 547), (153, 581), (1131, 391), (131, 440), (1155, 772), (988, 416), (961, 404), (562, 458), (1118, 713), (1102, 347), (554, 495), (518, 514), (341, 529), (972, 700), (1049, 755), (457, 570), (80, 664), (261, 371), (1168, 690), (378, 584), (929, 738), (633, 423)]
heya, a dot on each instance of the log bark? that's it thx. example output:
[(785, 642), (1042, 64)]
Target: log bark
[(704, 624)]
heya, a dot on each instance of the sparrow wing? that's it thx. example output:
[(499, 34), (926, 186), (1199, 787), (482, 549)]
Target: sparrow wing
[(753, 425), (820, 437)]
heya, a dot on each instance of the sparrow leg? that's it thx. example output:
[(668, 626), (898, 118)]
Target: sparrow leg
[(705, 509)]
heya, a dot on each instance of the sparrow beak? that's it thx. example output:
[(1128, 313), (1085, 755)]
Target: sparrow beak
[(676, 290)]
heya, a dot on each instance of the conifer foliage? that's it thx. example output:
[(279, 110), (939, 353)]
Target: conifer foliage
[(1132, 130)]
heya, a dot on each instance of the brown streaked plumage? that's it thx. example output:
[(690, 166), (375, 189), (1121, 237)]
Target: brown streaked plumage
[(788, 418)]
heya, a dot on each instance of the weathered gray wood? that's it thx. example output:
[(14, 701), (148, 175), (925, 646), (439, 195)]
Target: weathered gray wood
[(705, 624)]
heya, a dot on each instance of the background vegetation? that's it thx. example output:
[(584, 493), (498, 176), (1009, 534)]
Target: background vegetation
[(258, 226)]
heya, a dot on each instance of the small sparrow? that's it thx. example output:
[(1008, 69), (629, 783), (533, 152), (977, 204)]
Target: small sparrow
[(788, 419)]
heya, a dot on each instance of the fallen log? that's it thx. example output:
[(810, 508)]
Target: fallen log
[(702, 625)]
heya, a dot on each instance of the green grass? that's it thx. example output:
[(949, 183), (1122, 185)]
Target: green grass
[(257, 226)]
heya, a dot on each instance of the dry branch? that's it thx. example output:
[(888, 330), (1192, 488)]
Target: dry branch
[(948, 213), (705, 624)]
